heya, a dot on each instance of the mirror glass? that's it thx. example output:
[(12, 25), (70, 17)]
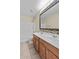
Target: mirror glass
[(50, 18)]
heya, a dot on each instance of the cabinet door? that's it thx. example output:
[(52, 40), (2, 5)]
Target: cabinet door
[(50, 55), (42, 51), (34, 41), (37, 44)]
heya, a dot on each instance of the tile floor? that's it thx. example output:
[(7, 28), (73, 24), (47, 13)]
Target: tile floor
[(27, 51)]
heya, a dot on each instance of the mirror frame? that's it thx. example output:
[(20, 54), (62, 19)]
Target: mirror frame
[(46, 9)]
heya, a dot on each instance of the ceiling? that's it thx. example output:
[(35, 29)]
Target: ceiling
[(31, 7)]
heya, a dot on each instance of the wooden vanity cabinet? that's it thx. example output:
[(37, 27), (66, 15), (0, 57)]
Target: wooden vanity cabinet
[(33, 40), (50, 55), (44, 49), (36, 43)]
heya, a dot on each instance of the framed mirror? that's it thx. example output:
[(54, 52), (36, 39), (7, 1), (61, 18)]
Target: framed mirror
[(49, 18)]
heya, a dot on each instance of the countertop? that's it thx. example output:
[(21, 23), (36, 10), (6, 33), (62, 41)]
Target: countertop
[(51, 40)]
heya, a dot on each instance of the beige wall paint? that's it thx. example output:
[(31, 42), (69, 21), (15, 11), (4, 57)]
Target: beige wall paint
[(26, 18), (36, 23)]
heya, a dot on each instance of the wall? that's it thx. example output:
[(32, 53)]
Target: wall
[(36, 23), (26, 28)]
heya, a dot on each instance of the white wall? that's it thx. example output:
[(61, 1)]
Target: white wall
[(26, 28)]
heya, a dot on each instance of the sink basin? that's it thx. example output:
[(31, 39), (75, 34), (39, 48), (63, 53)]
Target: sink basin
[(48, 35)]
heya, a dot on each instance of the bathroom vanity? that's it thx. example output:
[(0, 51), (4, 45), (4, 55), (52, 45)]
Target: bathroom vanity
[(46, 45)]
